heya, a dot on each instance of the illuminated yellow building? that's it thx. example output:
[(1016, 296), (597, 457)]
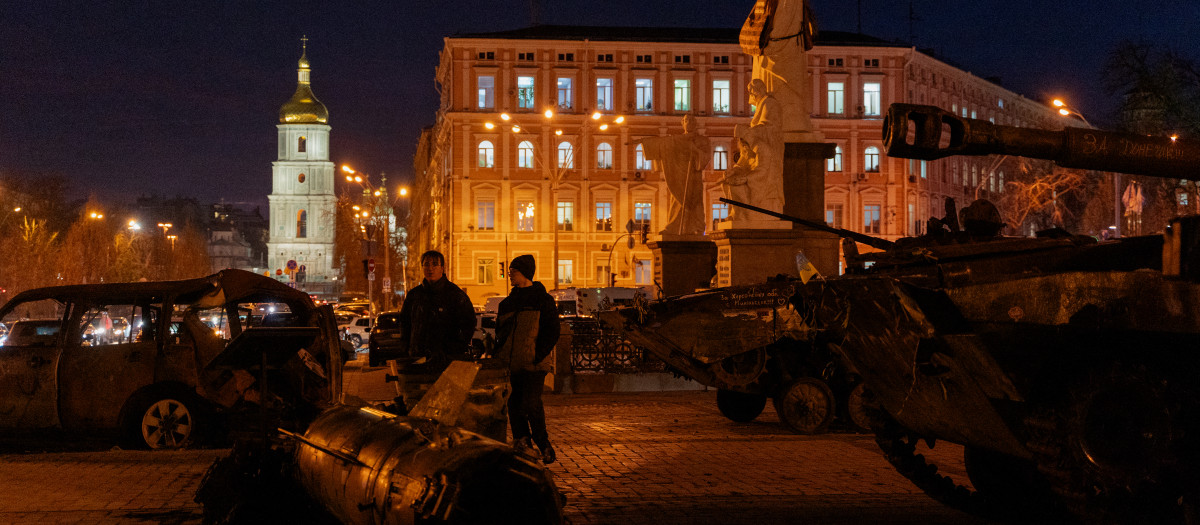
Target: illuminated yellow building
[(490, 189)]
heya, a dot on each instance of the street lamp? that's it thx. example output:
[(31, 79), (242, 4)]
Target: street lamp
[(1066, 111), (381, 200), (555, 170)]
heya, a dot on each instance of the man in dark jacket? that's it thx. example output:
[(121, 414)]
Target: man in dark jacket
[(437, 320), (526, 332)]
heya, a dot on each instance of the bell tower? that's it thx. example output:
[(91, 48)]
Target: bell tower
[(302, 198)]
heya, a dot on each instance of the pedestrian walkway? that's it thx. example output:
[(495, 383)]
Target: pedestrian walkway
[(655, 458)]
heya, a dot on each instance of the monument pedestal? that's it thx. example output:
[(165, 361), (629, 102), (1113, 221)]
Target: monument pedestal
[(683, 263), (752, 256)]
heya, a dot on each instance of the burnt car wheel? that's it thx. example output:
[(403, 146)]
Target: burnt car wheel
[(162, 420), (740, 406), (856, 408), (805, 405)]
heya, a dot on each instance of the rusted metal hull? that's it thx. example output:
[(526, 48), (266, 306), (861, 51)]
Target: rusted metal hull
[(371, 467)]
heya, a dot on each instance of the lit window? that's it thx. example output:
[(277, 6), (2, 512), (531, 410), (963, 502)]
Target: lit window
[(871, 215), (837, 98), (604, 154), (564, 93), (604, 221), (644, 89), (525, 92), (871, 159), (720, 212), (524, 216), (485, 270), (720, 158), (487, 91), (643, 272), (833, 215), (486, 215), (566, 216), (924, 170), (639, 161), (835, 163), (566, 271), (301, 224), (683, 95), (720, 96), (871, 99), (566, 157), (641, 214), (604, 94), (487, 155), (525, 154)]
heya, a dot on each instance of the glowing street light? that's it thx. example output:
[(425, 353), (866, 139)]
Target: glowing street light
[(1066, 111)]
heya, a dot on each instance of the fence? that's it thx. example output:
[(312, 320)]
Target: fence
[(597, 349)]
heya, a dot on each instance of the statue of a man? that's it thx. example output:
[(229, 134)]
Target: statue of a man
[(778, 35), (681, 159)]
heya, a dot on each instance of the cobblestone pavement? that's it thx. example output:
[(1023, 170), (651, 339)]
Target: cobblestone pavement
[(634, 458)]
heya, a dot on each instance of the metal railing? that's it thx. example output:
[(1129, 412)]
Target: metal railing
[(595, 349)]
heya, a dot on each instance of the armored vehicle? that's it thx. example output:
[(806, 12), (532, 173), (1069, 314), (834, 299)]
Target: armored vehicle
[(1064, 366)]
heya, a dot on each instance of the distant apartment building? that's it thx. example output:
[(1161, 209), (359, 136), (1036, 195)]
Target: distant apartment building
[(490, 189)]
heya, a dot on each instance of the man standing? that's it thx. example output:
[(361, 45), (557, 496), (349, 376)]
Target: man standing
[(437, 320), (527, 330)]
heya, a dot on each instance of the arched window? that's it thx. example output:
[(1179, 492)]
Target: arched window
[(835, 163), (525, 154), (301, 224), (566, 157), (301, 145), (604, 156), (871, 159), (720, 158), (640, 162), (487, 155)]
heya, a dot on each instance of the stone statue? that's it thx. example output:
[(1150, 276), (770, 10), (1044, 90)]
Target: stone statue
[(778, 35), (736, 182), (762, 144), (682, 159)]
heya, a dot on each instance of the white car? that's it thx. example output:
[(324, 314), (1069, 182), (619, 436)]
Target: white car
[(357, 330)]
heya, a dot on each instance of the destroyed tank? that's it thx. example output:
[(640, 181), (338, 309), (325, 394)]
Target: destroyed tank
[(1065, 367)]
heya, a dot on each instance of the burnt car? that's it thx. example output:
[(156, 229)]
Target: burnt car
[(168, 377), (383, 343)]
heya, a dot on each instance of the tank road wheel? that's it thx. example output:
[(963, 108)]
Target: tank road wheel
[(740, 406), (805, 405), (856, 408), (741, 369), (163, 419), (1122, 448)]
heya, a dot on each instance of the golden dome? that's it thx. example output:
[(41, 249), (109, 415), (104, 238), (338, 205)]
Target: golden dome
[(303, 108)]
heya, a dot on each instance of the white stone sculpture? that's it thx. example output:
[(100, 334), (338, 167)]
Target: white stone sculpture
[(681, 159), (760, 164), (777, 35)]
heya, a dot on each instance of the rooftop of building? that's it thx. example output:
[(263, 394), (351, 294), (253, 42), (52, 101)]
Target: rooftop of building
[(696, 35)]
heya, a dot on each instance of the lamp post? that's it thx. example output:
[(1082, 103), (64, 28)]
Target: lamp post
[(379, 198), (1067, 111), (555, 170)]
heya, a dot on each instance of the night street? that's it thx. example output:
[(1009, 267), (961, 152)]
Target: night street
[(631, 458)]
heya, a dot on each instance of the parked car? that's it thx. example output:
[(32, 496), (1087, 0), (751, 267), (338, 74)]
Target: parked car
[(357, 330), (384, 341), (165, 379)]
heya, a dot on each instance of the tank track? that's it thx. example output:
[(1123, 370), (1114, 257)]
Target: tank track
[(899, 448)]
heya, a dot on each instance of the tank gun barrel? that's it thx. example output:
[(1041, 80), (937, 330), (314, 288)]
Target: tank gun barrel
[(922, 132), (868, 240)]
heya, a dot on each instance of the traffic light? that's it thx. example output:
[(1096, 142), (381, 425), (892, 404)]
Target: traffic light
[(502, 274), (645, 231), (366, 272)]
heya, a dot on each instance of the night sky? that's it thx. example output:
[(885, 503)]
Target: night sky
[(181, 98)]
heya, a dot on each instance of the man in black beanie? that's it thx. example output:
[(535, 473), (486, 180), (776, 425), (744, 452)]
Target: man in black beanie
[(527, 330)]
